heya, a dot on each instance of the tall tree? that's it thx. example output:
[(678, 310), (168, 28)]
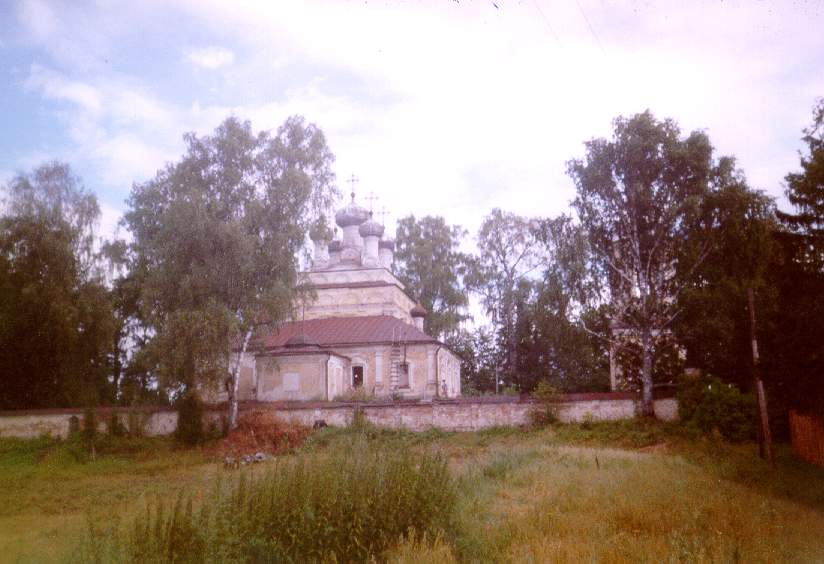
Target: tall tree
[(799, 360), (638, 196), (432, 268), (805, 191), (480, 358), (553, 343), (508, 256), (713, 324), (216, 237), (55, 314)]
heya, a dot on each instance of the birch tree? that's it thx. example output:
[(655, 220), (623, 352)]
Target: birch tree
[(508, 255), (639, 196), (216, 238)]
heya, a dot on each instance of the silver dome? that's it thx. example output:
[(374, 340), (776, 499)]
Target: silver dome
[(352, 214), (371, 228)]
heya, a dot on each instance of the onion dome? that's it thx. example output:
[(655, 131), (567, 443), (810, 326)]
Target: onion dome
[(370, 228), (301, 340), (335, 246), (418, 311), (387, 244), (352, 214)]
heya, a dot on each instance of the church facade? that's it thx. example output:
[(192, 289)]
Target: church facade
[(361, 335)]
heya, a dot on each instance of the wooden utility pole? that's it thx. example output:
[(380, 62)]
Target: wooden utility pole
[(764, 436)]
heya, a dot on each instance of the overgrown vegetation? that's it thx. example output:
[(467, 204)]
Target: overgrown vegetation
[(262, 431), (545, 411), (345, 505), (708, 405), (623, 491)]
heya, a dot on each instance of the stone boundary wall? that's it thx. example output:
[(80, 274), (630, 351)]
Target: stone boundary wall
[(459, 414)]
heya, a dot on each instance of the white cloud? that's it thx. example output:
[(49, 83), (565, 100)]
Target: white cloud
[(210, 57), (57, 87), (450, 108)]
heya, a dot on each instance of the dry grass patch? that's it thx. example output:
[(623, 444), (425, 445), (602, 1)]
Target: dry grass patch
[(632, 507)]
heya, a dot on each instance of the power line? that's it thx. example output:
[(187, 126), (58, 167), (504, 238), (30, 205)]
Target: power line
[(549, 25), (591, 29)]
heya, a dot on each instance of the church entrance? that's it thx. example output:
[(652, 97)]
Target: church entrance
[(357, 376)]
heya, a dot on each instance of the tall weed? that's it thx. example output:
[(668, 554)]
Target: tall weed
[(348, 504)]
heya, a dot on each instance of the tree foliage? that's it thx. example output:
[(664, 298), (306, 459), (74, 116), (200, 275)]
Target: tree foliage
[(639, 197), (55, 316), (507, 256), (797, 363), (805, 191), (216, 236), (713, 324), (429, 264)]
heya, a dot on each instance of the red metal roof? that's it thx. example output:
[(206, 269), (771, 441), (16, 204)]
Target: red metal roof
[(337, 331)]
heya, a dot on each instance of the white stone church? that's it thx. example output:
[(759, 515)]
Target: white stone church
[(361, 333)]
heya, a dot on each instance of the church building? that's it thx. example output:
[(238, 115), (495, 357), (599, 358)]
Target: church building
[(362, 333)]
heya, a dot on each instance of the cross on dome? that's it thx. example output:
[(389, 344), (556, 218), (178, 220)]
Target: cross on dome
[(352, 181), (383, 213), (371, 198)]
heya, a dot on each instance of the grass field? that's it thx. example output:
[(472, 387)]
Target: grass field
[(618, 492)]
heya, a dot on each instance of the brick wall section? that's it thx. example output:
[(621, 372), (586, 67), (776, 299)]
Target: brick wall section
[(459, 414)]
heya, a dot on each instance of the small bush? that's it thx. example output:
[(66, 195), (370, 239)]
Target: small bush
[(709, 405), (545, 412), (190, 420), (352, 504)]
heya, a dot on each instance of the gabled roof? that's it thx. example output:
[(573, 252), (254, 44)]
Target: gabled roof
[(341, 331)]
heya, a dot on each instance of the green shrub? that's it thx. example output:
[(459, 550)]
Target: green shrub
[(190, 420), (545, 412), (348, 505), (709, 405)]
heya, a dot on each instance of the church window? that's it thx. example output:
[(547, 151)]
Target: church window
[(357, 376), (291, 382), (403, 375)]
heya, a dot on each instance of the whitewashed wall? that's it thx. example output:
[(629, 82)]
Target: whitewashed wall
[(463, 414)]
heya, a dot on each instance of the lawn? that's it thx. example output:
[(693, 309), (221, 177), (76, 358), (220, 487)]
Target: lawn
[(609, 492)]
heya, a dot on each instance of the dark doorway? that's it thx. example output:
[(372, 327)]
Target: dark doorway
[(357, 376)]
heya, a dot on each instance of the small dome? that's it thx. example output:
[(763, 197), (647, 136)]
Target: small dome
[(335, 246), (387, 244), (371, 228), (301, 340), (418, 311), (352, 214)]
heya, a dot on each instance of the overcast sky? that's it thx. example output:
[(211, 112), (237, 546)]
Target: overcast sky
[(440, 107)]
